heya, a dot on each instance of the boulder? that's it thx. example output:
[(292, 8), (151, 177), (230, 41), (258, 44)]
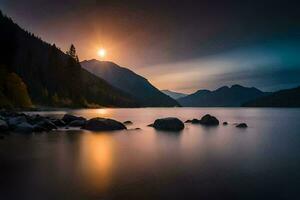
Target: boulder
[(3, 126), (77, 123), (24, 127), (47, 125), (128, 122), (14, 121), (209, 120), (58, 122), (168, 124), (69, 118), (242, 125), (103, 124), (225, 123), (34, 119)]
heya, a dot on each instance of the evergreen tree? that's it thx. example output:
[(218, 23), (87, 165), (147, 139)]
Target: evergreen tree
[(72, 52)]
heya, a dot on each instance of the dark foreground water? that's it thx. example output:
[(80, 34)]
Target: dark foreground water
[(260, 162)]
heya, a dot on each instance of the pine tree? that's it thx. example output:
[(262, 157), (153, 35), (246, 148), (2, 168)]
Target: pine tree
[(72, 53)]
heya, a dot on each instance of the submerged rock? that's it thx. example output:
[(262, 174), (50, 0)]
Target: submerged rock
[(209, 120), (242, 125), (69, 118), (168, 124), (128, 122), (225, 123), (103, 124)]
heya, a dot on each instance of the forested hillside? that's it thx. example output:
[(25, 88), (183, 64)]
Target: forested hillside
[(52, 77)]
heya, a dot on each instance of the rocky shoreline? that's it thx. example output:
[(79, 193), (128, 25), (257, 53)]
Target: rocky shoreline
[(24, 123)]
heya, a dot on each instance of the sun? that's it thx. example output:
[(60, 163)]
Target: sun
[(102, 53)]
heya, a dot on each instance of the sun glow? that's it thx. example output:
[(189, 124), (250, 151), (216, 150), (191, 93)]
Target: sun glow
[(102, 53)]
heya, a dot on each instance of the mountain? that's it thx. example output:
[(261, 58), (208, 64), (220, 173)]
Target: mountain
[(225, 96), (130, 82), (282, 98), (174, 95), (51, 77)]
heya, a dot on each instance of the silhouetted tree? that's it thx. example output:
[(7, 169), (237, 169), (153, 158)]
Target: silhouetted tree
[(72, 53)]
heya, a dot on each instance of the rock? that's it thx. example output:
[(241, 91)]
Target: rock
[(58, 122), (24, 127), (38, 128), (77, 123), (150, 125), (3, 126), (69, 118), (242, 125), (103, 124), (14, 121), (47, 124), (5, 113), (34, 119), (127, 122), (195, 121), (209, 120), (225, 123), (168, 124)]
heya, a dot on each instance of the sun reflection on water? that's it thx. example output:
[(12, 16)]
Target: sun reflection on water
[(97, 160)]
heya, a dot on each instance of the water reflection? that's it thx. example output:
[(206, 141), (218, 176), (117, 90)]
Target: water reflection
[(96, 160), (223, 162)]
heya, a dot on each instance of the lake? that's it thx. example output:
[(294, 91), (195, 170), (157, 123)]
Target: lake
[(225, 162)]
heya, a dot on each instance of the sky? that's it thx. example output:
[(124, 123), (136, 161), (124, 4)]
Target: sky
[(177, 45)]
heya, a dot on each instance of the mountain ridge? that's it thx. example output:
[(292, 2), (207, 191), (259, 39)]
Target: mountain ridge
[(224, 96), (174, 95), (130, 82), (282, 98)]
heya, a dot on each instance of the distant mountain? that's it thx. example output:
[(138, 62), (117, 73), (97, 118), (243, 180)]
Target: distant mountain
[(51, 77), (174, 95), (282, 98), (225, 96), (130, 82)]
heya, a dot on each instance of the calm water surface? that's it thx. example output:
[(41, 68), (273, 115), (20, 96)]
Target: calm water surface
[(260, 162)]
